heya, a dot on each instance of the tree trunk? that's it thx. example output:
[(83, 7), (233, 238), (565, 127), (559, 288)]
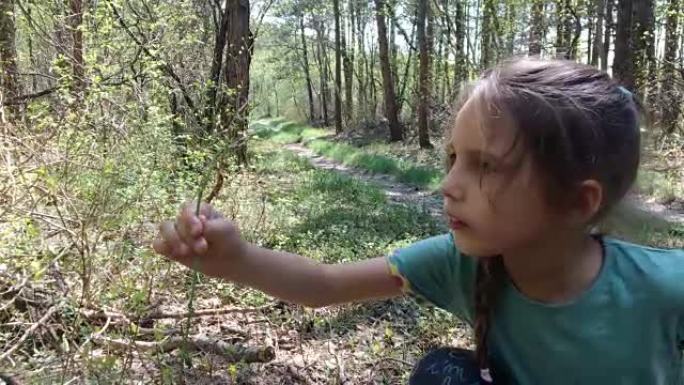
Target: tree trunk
[(560, 26), (511, 16), (644, 50), (307, 73), (424, 77), (623, 64), (566, 45), (460, 60), (362, 96), (215, 71), (569, 21), (322, 70), (234, 117), (488, 34), (75, 22), (597, 43), (396, 132), (537, 29), (437, 73), (670, 95), (403, 83), (370, 70), (338, 69), (393, 48), (634, 45), (349, 69), (9, 87), (607, 34)]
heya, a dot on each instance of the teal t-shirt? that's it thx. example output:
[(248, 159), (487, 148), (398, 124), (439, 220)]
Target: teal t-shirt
[(628, 328)]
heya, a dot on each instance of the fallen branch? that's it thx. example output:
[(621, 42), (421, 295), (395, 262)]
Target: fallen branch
[(159, 314), (28, 332), (231, 352)]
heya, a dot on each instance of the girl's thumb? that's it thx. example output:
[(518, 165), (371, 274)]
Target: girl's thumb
[(218, 229)]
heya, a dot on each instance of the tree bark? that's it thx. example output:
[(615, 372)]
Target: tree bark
[(215, 71), (9, 87), (460, 69), (607, 33), (307, 73), (348, 51), (670, 95), (362, 96), (623, 64), (488, 33), (634, 45), (569, 22), (511, 16), (75, 22), (597, 43), (396, 132), (644, 43), (338, 69), (537, 29), (424, 77), (322, 70), (234, 117)]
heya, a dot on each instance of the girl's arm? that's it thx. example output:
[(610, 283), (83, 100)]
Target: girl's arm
[(213, 245), (301, 280)]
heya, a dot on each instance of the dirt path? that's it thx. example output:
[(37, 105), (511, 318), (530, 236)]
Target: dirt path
[(645, 207), (395, 191)]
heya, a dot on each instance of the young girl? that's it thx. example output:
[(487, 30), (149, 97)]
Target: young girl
[(539, 151)]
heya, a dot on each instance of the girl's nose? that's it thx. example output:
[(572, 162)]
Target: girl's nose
[(452, 187)]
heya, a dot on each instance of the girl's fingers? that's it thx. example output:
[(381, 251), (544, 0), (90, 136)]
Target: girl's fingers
[(188, 226), (160, 247), (174, 245), (200, 246)]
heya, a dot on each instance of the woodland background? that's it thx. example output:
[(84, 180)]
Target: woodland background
[(317, 126)]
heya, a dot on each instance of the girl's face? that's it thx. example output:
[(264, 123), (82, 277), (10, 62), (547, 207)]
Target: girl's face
[(494, 196)]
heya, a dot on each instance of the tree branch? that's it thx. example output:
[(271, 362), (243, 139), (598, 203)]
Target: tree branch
[(166, 67), (231, 352), (30, 331)]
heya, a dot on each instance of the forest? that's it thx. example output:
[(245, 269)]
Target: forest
[(318, 127)]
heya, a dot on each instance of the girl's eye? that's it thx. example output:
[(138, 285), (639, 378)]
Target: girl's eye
[(452, 159), (487, 167)]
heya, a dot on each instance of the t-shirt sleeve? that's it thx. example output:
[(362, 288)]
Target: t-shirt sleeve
[(658, 275), (435, 270)]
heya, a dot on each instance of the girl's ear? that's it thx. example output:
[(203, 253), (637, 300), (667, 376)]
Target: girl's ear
[(588, 202)]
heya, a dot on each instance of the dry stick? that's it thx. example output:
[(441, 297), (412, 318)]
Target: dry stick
[(104, 314), (30, 331), (195, 263), (230, 352)]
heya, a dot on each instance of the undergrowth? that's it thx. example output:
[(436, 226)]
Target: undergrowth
[(79, 214)]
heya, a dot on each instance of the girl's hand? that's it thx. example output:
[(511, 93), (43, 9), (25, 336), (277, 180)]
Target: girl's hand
[(208, 243)]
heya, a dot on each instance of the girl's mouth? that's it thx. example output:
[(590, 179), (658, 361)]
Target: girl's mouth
[(456, 224)]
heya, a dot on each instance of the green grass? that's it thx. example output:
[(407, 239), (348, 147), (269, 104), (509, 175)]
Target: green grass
[(664, 187), (420, 176), (284, 132), (331, 217)]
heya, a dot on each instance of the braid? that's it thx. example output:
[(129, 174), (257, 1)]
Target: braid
[(488, 284)]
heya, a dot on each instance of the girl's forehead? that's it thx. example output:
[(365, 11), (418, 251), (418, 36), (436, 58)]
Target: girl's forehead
[(478, 125)]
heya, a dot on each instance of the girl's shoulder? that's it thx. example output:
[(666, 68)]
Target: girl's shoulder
[(629, 251), (651, 270)]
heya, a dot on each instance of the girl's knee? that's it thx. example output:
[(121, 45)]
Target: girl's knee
[(446, 366)]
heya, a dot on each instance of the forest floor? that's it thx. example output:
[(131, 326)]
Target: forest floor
[(332, 199)]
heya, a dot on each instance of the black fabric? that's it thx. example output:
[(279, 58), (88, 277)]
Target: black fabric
[(447, 366)]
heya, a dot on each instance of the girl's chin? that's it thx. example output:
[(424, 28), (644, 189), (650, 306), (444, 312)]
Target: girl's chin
[(468, 245)]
